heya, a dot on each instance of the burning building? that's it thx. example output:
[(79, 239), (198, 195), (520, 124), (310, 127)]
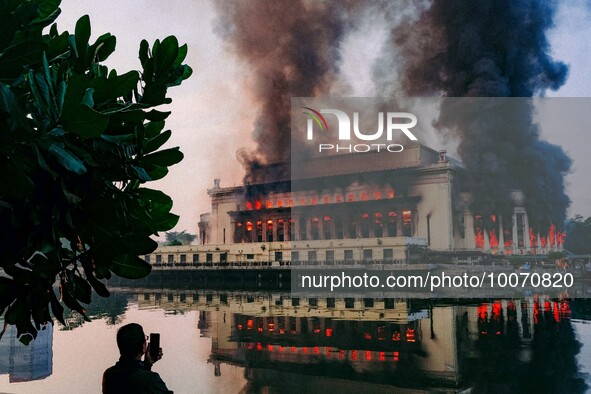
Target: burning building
[(378, 207)]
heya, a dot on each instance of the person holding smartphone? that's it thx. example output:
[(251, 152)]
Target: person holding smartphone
[(131, 374)]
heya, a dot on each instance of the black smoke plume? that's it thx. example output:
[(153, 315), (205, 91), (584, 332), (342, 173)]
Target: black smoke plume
[(292, 48), (492, 48)]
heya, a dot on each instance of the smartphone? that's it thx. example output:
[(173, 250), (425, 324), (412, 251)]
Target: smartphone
[(154, 345)]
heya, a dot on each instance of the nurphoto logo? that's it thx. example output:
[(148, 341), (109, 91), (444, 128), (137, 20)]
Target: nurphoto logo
[(396, 123)]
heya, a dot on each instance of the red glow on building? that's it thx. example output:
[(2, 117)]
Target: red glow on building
[(368, 355), (291, 203), (257, 205), (279, 204), (378, 195), (351, 198), (249, 324), (561, 237), (492, 238), (492, 233), (354, 355), (367, 335), (270, 347), (511, 306), (239, 326), (305, 350), (391, 194), (259, 346), (314, 201), (478, 232), (363, 196), (248, 205), (271, 327), (533, 238), (497, 309), (250, 346), (316, 350), (328, 332), (269, 204), (507, 238), (547, 306), (326, 200), (565, 308), (339, 199), (552, 235), (482, 311), (536, 312), (396, 336), (341, 354), (303, 202), (410, 335), (281, 349), (293, 349), (382, 356), (556, 313), (543, 241)]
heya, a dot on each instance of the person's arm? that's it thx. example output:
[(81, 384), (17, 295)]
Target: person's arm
[(149, 361)]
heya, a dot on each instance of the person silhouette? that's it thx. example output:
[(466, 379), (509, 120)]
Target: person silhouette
[(130, 374)]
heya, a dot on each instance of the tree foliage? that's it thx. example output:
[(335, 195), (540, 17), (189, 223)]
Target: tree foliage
[(179, 238), (578, 235), (77, 144)]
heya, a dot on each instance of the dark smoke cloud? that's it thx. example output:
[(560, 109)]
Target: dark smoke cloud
[(494, 48), (292, 47)]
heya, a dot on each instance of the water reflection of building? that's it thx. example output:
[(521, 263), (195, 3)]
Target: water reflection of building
[(25, 363), (383, 343)]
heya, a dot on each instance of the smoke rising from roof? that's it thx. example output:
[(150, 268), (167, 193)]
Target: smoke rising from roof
[(462, 48), (292, 47), (495, 48)]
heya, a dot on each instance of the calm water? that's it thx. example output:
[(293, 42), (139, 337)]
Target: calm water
[(236, 342)]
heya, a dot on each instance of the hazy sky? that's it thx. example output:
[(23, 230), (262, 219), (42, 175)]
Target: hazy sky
[(213, 112)]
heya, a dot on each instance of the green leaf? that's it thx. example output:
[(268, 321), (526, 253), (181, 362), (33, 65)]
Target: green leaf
[(67, 159), (82, 34), (15, 58), (144, 52), (118, 139), (157, 173), (137, 245), (84, 121), (166, 222), (157, 116), (156, 142), (141, 173), (153, 129), (47, 8), (7, 29), (103, 47), (163, 158), (70, 301), (115, 86), (87, 99), (18, 314), (181, 55), (80, 287), (98, 286), (130, 267), (165, 56), (56, 308)]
